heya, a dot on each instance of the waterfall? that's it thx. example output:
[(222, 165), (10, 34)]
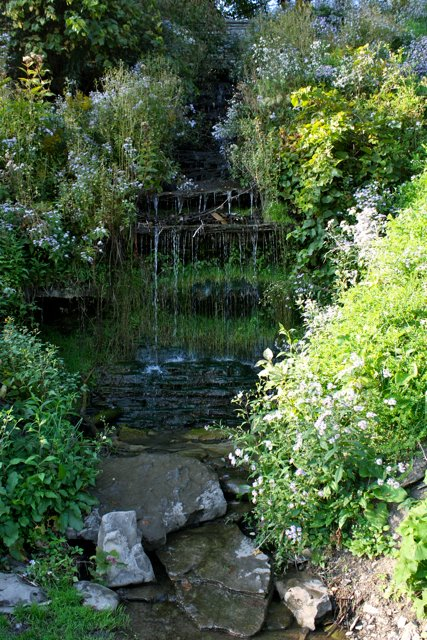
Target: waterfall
[(254, 235), (157, 232), (175, 257)]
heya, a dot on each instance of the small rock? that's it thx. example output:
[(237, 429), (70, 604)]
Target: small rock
[(205, 435), (306, 597), (97, 596), (118, 536), (369, 609), (234, 485), (15, 591), (401, 622), (410, 632)]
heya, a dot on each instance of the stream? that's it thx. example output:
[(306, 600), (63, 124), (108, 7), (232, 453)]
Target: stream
[(164, 399), (214, 295)]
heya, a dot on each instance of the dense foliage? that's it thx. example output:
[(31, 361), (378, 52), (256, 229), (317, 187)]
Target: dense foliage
[(194, 40), (337, 415), (46, 466), (81, 39), (322, 113), (411, 568)]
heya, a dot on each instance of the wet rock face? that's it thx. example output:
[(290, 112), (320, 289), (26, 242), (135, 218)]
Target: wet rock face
[(167, 492), (118, 535), (222, 580)]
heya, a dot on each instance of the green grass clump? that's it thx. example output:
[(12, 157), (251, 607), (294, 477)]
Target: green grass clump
[(65, 617)]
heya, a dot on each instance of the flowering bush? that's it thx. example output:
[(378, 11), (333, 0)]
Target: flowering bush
[(320, 117), (335, 417), (72, 172)]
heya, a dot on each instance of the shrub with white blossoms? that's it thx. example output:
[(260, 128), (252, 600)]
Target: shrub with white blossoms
[(317, 477), (338, 415), (353, 239)]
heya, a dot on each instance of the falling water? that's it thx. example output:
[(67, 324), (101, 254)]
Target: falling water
[(175, 254), (254, 235), (157, 231)]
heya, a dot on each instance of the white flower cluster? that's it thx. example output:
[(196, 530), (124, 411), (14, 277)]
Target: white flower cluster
[(276, 60), (294, 534), (416, 56)]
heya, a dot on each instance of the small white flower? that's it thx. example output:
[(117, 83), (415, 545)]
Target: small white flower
[(380, 482), (386, 373), (391, 402), (378, 461)]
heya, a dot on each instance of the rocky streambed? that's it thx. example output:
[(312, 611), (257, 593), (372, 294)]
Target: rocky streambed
[(196, 574), (170, 520)]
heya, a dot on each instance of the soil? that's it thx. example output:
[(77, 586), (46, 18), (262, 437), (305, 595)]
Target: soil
[(367, 607)]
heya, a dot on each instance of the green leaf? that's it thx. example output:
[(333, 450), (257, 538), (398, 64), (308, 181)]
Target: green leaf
[(12, 481), (389, 494)]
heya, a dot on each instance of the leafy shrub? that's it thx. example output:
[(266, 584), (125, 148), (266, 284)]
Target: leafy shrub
[(411, 569), (46, 466), (316, 120), (334, 418), (81, 39)]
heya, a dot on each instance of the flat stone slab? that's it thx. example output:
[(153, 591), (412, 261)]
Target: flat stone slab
[(167, 492), (15, 591), (221, 579)]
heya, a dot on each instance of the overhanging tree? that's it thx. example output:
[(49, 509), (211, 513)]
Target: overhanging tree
[(79, 39)]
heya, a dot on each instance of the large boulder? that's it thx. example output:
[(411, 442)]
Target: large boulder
[(221, 579), (306, 597), (118, 540), (167, 492), (15, 591)]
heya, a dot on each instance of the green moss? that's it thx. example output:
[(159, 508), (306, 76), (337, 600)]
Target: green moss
[(133, 436), (203, 435)]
